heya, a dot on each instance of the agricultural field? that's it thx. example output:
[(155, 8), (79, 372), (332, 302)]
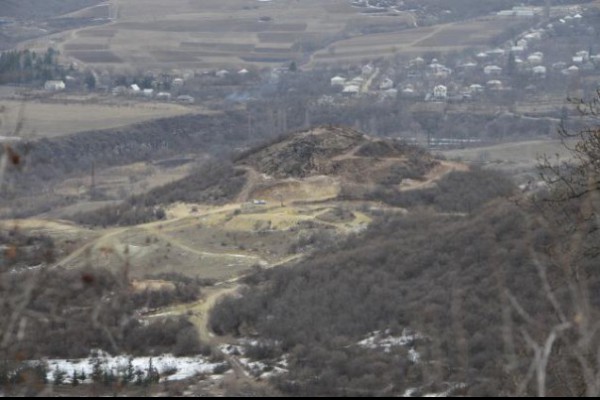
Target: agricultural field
[(52, 119), (518, 159), (443, 38), (211, 33)]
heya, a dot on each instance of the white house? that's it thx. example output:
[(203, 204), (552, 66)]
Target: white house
[(539, 71), (559, 66), (367, 70), (583, 54), (164, 96), (476, 88), (494, 85), (468, 66), (351, 90), (148, 92), (391, 93), (177, 83), (243, 72), (417, 62), (578, 60), (135, 89), (492, 70), (55, 86), (338, 81), (535, 59), (386, 84), (222, 73), (495, 52), (440, 92), (517, 49), (571, 71), (186, 99), (408, 92)]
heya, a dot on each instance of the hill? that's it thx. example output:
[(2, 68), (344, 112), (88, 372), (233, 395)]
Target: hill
[(340, 152)]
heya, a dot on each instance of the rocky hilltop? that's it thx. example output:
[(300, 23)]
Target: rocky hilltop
[(341, 153)]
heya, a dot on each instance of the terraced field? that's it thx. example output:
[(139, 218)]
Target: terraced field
[(211, 33)]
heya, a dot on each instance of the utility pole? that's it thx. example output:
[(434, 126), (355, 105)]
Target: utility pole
[(547, 9), (93, 181)]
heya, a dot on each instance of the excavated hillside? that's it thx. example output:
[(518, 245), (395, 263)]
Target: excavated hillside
[(341, 153)]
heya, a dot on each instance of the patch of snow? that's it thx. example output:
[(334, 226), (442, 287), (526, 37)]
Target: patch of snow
[(179, 368), (448, 392), (384, 340)]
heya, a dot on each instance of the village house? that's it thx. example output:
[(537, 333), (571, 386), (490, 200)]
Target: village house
[(54, 86), (338, 81), (440, 92), (492, 70), (386, 84)]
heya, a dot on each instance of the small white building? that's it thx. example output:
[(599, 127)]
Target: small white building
[(476, 88), (492, 70), (185, 99), (408, 92), (468, 66), (164, 96), (338, 81), (358, 81), (578, 60), (573, 70), (243, 72), (559, 66), (135, 89), (367, 70), (351, 90), (440, 92), (177, 83), (390, 93), (119, 91), (583, 54), (494, 85), (517, 50), (495, 52), (386, 84), (535, 59), (416, 62), (540, 71), (55, 86), (221, 73)]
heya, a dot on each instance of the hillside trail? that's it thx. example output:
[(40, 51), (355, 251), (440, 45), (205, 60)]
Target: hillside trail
[(106, 239), (252, 179), (436, 173), (177, 243)]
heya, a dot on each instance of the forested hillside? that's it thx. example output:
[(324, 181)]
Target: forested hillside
[(501, 301)]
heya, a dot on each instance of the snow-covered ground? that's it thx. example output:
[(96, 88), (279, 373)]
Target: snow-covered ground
[(258, 369), (379, 340), (169, 367)]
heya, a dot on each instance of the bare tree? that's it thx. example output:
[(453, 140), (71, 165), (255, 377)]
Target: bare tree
[(565, 347)]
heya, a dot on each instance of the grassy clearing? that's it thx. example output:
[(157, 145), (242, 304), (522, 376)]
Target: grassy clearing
[(58, 119)]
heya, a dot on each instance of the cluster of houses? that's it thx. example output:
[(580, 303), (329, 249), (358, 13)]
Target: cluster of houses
[(149, 93), (486, 70)]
